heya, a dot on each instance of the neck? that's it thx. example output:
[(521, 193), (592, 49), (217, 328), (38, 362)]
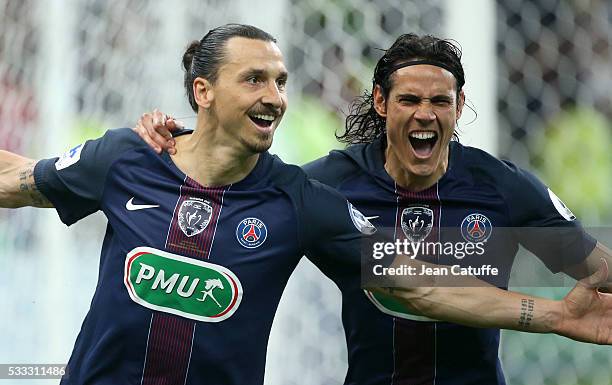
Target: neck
[(409, 180), (211, 158)]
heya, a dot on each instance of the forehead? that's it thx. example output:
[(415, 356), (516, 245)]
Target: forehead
[(242, 53), (423, 78)]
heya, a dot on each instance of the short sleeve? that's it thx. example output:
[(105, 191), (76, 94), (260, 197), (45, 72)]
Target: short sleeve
[(75, 182), (332, 230), (544, 224)]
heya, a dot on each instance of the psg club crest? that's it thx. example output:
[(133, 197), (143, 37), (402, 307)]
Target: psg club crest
[(251, 233), (194, 215), (417, 223), (476, 228)]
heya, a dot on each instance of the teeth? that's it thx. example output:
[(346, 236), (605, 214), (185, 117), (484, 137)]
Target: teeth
[(264, 117), (423, 135)]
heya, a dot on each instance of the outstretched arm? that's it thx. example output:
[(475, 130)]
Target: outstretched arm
[(584, 314), (17, 185)]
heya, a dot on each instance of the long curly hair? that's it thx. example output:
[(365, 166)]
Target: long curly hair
[(363, 124)]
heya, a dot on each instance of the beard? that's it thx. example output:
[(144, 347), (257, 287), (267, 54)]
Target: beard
[(260, 143)]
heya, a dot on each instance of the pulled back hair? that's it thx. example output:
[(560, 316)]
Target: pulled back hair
[(363, 124), (203, 58)]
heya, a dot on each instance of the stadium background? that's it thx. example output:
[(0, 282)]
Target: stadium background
[(538, 73)]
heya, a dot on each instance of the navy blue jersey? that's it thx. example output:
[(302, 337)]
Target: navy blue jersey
[(477, 196), (190, 277)]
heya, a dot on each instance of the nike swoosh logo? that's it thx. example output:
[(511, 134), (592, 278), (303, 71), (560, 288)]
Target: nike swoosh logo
[(132, 207), (370, 218)]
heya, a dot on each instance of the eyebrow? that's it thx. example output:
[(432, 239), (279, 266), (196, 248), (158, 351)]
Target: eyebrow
[(414, 96), (259, 72)]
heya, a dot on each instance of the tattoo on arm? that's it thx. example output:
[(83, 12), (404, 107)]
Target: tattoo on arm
[(28, 185), (527, 309)]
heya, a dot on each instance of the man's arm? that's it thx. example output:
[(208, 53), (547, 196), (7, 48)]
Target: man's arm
[(333, 234), (583, 315), (17, 185), (591, 263)]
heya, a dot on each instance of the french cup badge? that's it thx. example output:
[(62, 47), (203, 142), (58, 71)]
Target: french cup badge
[(417, 222), (194, 216)]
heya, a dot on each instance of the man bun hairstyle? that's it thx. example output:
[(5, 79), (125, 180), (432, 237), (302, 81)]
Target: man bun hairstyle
[(204, 58), (363, 124), (187, 65)]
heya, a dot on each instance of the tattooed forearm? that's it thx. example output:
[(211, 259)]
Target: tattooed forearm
[(27, 185), (527, 309), (17, 186)]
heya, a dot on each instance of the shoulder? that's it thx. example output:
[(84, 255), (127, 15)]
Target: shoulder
[(104, 149), (335, 167), (473, 158), (299, 185), (527, 197), (121, 139), (284, 174), (98, 153), (484, 167), (113, 145)]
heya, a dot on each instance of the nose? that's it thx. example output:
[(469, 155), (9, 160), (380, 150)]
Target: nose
[(424, 112), (273, 96)]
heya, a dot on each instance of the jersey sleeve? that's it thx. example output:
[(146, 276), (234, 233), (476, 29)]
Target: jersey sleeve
[(75, 182), (332, 230), (544, 224)]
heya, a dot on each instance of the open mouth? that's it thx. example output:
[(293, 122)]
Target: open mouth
[(423, 142), (261, 120)]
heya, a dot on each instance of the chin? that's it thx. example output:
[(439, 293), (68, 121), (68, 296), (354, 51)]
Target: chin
[(259, 146), (422, 170)]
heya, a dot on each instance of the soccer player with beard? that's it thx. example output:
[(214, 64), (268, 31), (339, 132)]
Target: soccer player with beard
[(199, 245), (404, 166)]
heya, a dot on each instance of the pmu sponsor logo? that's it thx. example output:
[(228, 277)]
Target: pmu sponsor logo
[(183, 286)]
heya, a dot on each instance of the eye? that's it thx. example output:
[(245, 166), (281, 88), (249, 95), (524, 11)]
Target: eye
[(253, 79), (441, 102), (409, 100), (281, 84)]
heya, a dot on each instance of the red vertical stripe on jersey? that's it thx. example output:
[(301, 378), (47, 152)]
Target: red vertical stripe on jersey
[(171, 337), (415, 341)]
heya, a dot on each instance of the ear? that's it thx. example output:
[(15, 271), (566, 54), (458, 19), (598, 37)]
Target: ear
[(203, 92), (460, 104), (380, 104)]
